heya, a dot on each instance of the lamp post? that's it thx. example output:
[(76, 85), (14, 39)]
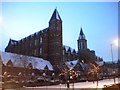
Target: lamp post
[(118, 70), (112, 61), (111, 53), (53, 76), (44, 75)]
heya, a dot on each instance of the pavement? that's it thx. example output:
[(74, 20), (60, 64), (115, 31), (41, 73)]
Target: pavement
[(79, 85), (76, 86)]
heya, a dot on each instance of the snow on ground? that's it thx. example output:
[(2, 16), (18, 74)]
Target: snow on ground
[(82, 84)]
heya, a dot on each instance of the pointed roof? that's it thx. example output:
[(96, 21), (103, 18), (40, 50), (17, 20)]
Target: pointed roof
[(81, 36), (12, 41), (74, 51), (46, 68), (55, 15), (81, 32), (67, 48), (71, 64), (10, 63)]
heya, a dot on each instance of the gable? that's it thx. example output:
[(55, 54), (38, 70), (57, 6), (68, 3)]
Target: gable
[(71, 64)]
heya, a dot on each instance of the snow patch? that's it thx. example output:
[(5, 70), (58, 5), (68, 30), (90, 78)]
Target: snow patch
[(24, 61), (71, 64), (100, 63), (67, 47)]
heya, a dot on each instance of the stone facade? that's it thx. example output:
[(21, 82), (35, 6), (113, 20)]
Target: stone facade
[(83, 53), (46, 44)]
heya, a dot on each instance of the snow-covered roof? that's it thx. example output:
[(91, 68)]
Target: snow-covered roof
[(57, 15), (13, 41), (71, 64), (110, 62), (84, 65), (67, 47), (32, 35), (100, 63), (24, 61)]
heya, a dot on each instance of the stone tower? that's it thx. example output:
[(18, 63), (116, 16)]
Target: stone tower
[(82, 42), (55, 39)]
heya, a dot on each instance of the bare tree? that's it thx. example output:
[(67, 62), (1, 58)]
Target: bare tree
[(94, 70)]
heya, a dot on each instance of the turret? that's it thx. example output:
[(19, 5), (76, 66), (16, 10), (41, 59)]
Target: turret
[(82, 42), (55, 38)]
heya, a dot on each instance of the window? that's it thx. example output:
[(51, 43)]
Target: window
[(35, 52), (69, 53), (63, 52), (40, 51), (30, 44), (81, 45), (35, 42), (40, 40)]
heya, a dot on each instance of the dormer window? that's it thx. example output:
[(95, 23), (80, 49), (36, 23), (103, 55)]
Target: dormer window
[(9, 63)]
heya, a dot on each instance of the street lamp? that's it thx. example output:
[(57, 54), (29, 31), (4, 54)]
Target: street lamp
[(112, 60), (115, 42), (118, 69), (111, 53)]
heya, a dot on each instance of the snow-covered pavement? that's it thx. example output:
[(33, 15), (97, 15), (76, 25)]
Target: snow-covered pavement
[(80, 84)]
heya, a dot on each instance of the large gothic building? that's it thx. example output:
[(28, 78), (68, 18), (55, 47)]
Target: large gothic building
[(47, 44)]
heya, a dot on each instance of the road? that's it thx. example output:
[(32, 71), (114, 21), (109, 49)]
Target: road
[(77, 86), (101, 84)]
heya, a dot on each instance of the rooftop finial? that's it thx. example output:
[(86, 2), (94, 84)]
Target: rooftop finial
[(56, 7)]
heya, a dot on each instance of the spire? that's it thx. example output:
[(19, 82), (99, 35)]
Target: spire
[(55, 15), (81, 36), (82, 42), (81, 32)]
